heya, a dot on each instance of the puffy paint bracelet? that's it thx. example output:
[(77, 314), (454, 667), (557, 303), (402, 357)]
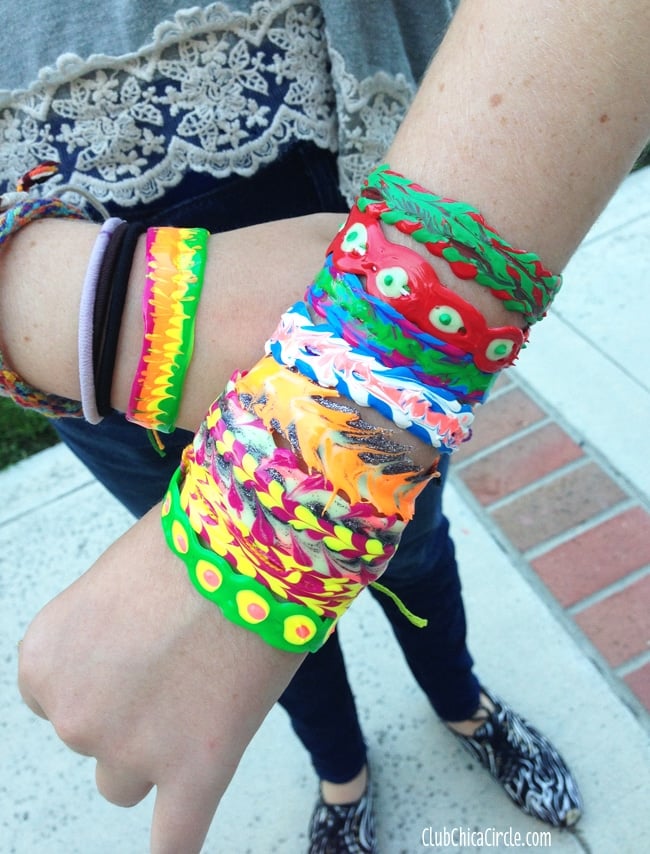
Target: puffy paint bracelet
[(408, 283), (241, 599), (370, 323), (433, 415), (362, 462), (458, 233), (176, 259), (257, 539), (270, 502)]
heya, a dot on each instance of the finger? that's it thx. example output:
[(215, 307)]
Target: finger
[(119, 786), (182, 816)]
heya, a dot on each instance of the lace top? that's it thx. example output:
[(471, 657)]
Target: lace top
[(219, 88)]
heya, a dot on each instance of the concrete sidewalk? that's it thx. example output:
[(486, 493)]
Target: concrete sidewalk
[(550, 517)]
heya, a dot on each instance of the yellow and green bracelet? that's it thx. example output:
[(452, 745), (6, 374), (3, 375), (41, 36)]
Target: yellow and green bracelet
[(176, 259)]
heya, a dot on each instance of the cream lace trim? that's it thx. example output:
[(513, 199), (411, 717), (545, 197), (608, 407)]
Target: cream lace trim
[(369, 112), (217, 91)]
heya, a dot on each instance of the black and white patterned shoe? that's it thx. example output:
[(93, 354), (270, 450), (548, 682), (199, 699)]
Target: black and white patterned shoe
[(343, 828), (526, 764)]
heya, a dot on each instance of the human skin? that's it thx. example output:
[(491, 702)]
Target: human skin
[(531, 112)]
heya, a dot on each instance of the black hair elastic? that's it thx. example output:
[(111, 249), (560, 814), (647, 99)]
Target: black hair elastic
[(113, 285)]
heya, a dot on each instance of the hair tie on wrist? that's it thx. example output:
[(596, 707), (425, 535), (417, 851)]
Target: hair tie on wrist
[(109, 307), (87, 318)]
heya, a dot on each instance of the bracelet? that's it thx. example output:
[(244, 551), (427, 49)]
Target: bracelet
[(458, 233), (102, 378), (363, 462), (86, 320), (176, 259), (434, 415), (402, 278), (242, 600), (362, 319), (252, 526), (11, 384), (237, 451), (113, 281)]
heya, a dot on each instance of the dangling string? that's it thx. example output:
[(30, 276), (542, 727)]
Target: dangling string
[(419, 622)]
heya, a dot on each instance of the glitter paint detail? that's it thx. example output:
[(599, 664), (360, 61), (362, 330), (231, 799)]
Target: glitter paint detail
[(329, 440), (433, 415)]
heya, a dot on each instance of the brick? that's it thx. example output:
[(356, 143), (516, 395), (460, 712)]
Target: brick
[(639, 682), (618, 625), (595, 559), (520, 463), (557, 506), (503, 416)]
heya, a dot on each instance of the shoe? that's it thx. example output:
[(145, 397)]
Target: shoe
[(343, 828), (526, 764)]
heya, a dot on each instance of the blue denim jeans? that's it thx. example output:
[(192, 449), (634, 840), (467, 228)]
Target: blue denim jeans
[(423, 573)]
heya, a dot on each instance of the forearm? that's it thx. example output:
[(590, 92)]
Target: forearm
[(533, 113), (252, 275)]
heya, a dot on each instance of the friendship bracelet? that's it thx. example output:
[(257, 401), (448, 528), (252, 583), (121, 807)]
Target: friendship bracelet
[(364, 320), (362, 462), (176, 259), (12, 385), (433, 415), (86, 320), (405, 280), (458, 233), (115, 273)]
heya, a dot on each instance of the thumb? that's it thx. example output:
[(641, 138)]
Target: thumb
[(182, 815)]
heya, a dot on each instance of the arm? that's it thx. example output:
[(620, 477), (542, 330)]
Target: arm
[(523, 201), (250, 280)]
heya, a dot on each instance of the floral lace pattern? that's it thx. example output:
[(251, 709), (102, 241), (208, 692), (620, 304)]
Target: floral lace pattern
[(217, 91), (369, 112)]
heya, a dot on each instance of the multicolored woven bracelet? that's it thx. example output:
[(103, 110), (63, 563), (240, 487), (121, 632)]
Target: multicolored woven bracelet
[(22, 212), (176, 259), (458, 233)]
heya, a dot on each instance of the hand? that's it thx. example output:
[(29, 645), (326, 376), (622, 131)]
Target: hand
[(133, 667)]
